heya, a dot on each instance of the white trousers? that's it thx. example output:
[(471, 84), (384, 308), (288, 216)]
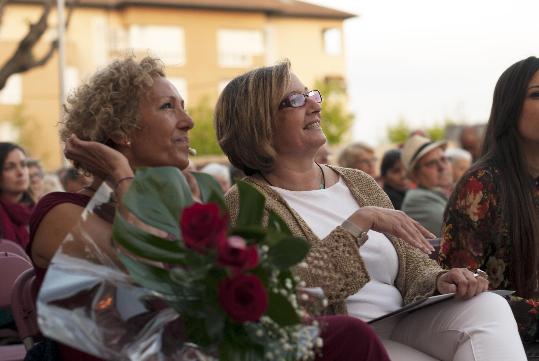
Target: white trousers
[(480, 329)]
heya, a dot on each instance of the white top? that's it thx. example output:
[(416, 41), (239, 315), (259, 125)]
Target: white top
[(325, 209)]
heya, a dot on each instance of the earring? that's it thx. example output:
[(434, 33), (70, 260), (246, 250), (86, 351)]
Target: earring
[(128, 143)]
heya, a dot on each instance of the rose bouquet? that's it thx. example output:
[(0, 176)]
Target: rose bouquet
[(231, 285)]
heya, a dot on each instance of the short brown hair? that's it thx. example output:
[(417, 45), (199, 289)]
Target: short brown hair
[(349, 155), (244, 116), (108, 102)]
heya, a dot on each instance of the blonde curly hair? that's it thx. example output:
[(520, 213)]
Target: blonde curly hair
[(107, 104)]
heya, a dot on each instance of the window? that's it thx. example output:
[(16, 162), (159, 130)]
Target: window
[(8, 132), (181, 86), (332, 41), (166, 42), (12, 92), (236, 48)]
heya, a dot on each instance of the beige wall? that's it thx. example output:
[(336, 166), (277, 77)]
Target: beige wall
[(88, 48)]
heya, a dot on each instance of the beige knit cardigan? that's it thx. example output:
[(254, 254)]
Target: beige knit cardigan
[(334, 263)]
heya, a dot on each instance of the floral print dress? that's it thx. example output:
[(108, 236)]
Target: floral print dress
[(474, 235)]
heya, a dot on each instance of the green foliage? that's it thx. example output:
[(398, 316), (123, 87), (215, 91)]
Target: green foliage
[(399, 132), (336, 120), (202, 137)]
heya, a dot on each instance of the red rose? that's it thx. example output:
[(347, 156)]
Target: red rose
[(202, 226), (234, 252), (243, 297)]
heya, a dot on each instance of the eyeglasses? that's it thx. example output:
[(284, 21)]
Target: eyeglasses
[(296, 100), (440, 162)]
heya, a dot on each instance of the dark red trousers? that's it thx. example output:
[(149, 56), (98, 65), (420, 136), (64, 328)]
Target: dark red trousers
[(349, 339)]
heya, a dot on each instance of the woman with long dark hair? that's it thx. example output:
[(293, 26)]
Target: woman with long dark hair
[(492, 219), (15, 201)]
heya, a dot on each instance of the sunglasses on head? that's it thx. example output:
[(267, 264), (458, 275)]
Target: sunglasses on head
[(296, 100)]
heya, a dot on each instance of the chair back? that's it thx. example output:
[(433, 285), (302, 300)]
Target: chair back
[(11, 266), (9, 246), (23, 307)]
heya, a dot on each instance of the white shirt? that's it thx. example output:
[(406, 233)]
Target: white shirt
[(325, 209)]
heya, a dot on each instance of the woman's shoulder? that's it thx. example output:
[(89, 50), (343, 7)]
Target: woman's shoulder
[(364, 186), (50, 201), (479, 179)]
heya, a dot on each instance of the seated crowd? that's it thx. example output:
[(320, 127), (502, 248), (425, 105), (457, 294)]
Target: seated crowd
[(371, 235)]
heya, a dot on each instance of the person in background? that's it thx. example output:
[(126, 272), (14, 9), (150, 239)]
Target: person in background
[(51, 183), (358, 156), (471, 141), (394, 177), (323, 154), (428, 168), (492, 218), (220, 173), (366, 256), (35, 171), (460, 160), (16, 204), (73, 180)]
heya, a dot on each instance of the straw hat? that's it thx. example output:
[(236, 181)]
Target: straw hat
[(417, 146)]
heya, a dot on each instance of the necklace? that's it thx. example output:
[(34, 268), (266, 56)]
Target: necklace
[(322, 178)]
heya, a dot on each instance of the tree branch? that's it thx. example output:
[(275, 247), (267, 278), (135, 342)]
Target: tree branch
[(23, 58)]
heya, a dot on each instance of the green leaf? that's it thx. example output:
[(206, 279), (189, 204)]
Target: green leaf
[(210, 190), (251, 205), (144, 244), (281, 311), (288, 252), (157, 195), (255, 234), (215, 322), (276, 223), (151, 277)]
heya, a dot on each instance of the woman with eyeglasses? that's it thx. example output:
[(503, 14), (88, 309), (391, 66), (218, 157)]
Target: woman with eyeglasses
[(15, 202), (367, 258), (492, 218)]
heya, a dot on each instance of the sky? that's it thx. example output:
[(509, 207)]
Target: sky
[(426, 61)]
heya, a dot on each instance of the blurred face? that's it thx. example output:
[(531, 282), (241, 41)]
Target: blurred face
[(431, 170), (15, 179), (460, 166), (36, 180), (162, 139), (396, 177), (297, 131), (528, 125), (366, 161)]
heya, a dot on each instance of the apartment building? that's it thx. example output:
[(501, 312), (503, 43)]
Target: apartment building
[(204, 44)]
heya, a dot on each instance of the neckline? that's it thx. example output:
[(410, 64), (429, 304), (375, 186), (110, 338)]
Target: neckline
[(322, 180)]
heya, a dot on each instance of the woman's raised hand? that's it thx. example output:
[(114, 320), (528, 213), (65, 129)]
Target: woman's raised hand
[(393, 222), (463, 282), (99, 159)]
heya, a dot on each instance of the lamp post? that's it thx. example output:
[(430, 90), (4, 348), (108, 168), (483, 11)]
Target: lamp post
[(60, 8)]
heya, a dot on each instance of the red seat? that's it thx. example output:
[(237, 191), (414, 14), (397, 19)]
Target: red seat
[(23, 307), (9, 246), (11, 266)]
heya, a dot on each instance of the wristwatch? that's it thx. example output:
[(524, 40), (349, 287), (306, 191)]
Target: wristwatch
[(360, 235)]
